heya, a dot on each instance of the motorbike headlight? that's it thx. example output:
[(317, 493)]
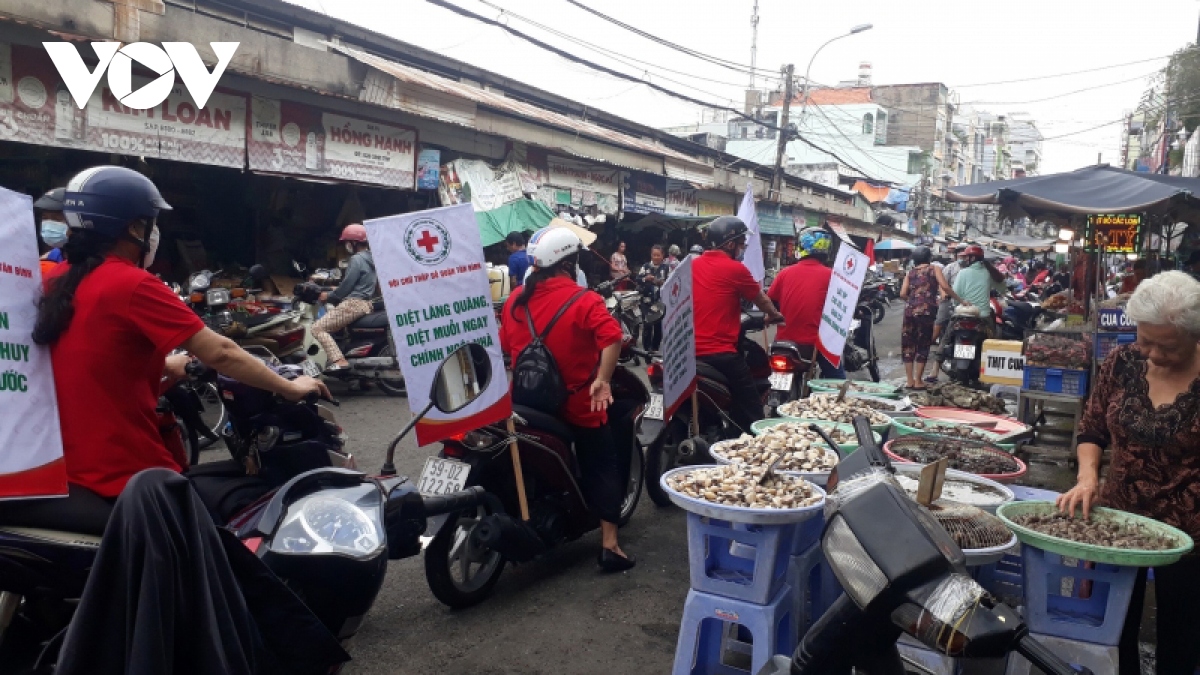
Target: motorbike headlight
[(858, 574), (218, 296), (610, 303), (323, 523), (199, 281)]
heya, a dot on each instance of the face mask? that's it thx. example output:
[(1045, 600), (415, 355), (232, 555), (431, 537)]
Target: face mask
[(350, 247), (152, 242), (54, 233)]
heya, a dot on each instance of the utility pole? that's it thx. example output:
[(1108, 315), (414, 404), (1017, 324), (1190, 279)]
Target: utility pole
[(784, 133), (753, 42)]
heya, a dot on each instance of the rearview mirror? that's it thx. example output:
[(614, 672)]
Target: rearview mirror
[(463, 376)]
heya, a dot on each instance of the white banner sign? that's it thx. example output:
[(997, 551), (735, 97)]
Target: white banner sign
[(1002, 364), (437, 296), (370, 152), (31, 453), (849, 269), (679, 338), (568, 173)]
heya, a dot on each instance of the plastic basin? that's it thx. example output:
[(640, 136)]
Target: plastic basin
[(914, 471), (1004, 425), (759, 426), (901, 425), (998, 477), (1092, 552), (737, 514), (819, 478), (831, 386)]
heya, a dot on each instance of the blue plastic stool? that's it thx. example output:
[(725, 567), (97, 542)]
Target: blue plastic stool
[(1054, 602), (1004, 579), (712, 627), (814, 588), (808, 533), (1031, 494), (737, 560)]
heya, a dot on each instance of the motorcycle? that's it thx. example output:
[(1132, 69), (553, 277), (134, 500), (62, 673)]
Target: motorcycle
[(684, 439), (468, 552), (1018, 317), (191, 401), (874, 294), (792, 366), (963, 350), (860, 351), (903, 573), (324, 528), (366, 343)]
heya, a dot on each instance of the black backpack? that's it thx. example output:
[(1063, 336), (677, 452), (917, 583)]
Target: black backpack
[(536, 381)]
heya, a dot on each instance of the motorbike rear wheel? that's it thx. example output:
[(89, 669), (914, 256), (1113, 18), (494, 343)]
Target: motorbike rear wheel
[(661, 457), (633, 486), (215, 415), (389, 386), (459, 574), (877, 312), (873, 362)]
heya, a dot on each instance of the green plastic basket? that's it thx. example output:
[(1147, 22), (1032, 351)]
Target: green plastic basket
[(831, 386), (1100, 554), (900, 424), (758, 427)]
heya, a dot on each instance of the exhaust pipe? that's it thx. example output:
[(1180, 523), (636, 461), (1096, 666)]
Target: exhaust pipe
[(512, 538)]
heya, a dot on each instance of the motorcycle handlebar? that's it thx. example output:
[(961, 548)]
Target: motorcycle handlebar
[(458, 501), (312, 399), (1044, 659)]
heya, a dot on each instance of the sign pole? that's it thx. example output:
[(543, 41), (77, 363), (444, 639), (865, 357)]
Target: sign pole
[(695, 414), (516, 460)]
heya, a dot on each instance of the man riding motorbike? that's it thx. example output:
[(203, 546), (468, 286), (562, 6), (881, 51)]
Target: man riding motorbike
[(650, 277), (585, 343), (719, 283), (975, 283), (352, 296), (110, 325), (799, 292)]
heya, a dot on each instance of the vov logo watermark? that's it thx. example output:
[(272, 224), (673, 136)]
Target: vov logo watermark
[(118, 60)]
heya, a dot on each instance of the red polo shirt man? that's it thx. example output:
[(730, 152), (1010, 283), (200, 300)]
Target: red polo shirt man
[(800, 291), (719, 284)]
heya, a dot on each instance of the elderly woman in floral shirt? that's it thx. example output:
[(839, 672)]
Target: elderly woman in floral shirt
[(1145, 410)]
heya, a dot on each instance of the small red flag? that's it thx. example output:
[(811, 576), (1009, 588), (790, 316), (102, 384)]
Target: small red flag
[(870, 251)]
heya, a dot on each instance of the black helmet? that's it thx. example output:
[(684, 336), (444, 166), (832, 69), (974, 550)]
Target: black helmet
[(51, 201), (922, 255), (724, 230), (106, 198)]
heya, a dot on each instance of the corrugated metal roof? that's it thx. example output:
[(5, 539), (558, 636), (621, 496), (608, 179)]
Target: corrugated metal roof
[(491, 99)]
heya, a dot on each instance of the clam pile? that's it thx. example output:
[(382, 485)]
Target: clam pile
[(801, 448), (734, 485), (826, 407), (942, 429)]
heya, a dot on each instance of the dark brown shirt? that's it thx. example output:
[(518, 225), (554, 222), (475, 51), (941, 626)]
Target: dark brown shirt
[(1154, 466)]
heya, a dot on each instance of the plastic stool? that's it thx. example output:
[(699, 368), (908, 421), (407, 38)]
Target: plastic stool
[(1100, 659), (712, 625), (1055, 603), (1004, 579), (1029, 494), (808, 534), (814, 588), (737, 560)]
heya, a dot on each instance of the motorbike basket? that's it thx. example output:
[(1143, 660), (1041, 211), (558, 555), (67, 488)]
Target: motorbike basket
[(981, 459)]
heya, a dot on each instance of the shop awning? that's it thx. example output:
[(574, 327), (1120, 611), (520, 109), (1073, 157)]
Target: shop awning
[(1091, 190), (1021, 243), (666, 222), (523, 215), (872, 193)]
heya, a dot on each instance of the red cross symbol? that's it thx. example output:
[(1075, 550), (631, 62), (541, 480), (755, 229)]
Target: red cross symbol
[(427, 241), (674, 291)]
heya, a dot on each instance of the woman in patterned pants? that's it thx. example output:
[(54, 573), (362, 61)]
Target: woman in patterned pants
[(352, 296)]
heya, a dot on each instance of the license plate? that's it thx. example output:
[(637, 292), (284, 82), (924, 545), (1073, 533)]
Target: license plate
[(964, 351), (781, 381), (443, 476), (654, 411), (311, 369)]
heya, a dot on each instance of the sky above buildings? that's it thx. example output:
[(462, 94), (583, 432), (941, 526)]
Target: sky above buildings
[(971, 47)]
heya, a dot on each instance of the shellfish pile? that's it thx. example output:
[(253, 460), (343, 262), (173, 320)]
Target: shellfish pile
[(801, 448), (826, 407), (734, 485), (959, 430)]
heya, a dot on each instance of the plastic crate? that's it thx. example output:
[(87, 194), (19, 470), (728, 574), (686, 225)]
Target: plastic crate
[(1056, 380), (1075, 599), (1004, 579), (1106, 342)]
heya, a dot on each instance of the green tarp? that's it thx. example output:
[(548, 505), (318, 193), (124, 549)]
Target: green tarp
[(772, 221), (523, 215)]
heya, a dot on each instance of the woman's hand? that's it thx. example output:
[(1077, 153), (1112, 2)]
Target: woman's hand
[(303, 386), (1083, 495), (601, 395)]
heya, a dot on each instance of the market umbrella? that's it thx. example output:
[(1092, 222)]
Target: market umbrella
[(894, 245), (1093, 189), (587, 236)]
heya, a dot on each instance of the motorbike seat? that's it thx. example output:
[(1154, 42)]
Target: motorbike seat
[(374, 320), (258, 319), (707, 371), (550, 424)]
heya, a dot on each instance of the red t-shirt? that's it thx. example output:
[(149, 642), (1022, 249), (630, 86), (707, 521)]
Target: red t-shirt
[(107, 368), (582, 332), (799, 293), (719, 284)]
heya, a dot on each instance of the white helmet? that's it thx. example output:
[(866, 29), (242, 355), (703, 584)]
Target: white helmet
[(551, 245)]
